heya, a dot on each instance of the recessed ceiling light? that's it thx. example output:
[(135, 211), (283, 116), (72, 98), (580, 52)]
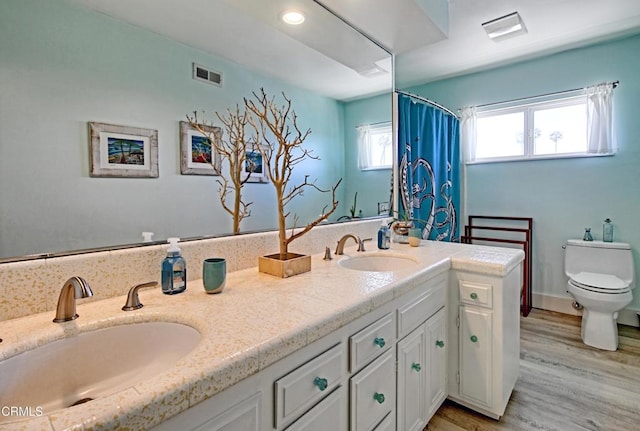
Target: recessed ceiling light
[(505, 26), (293, 17)]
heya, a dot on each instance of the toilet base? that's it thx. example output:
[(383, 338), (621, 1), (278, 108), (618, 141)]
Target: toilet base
[(600, 330)]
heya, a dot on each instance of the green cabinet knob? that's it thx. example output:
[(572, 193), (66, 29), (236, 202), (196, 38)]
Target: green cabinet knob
[(474, 338), (474, 295), (379, 342), (378, 397), (416, 367), (440, 343), (321, 383)]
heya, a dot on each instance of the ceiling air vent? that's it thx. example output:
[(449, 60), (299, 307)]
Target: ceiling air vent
[(201, 73)]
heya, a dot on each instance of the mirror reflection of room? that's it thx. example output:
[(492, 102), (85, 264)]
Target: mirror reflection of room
[(106, 163)]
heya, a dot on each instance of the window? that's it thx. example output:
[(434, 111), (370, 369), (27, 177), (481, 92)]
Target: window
[(544, 129), (578, 124), (375, 147)]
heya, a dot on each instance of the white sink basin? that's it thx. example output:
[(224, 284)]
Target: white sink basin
[(91, 365), (379, 262)]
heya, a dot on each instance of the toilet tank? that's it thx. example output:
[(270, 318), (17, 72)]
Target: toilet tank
[(614, 258)]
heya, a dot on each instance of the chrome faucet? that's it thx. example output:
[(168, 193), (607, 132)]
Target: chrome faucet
[(356, 238), (74, 288)]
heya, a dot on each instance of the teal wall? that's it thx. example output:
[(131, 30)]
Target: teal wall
[(372, 186), (61, 67), (564, 195)]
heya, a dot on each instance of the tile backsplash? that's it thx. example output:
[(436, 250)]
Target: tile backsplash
[(33, 286)]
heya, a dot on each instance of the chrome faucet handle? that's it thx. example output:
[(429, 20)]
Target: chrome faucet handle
[(327, 254), (74, 288), (133, 301), (361, 244)]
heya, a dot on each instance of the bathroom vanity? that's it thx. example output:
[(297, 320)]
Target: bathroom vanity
[(337, 348)]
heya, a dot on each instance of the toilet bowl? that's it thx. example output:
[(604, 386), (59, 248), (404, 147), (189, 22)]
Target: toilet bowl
[(601, 279), (599, 314)]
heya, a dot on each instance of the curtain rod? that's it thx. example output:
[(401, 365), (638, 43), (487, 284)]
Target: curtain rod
[(424, 99), (377, 123), (614, 83)]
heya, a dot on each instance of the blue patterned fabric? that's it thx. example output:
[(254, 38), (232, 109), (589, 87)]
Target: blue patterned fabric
[(429, 169)]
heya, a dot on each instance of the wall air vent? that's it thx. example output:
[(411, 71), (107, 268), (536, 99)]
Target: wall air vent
[(201, 73)]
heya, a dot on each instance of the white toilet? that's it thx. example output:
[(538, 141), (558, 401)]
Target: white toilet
[(601, 277)]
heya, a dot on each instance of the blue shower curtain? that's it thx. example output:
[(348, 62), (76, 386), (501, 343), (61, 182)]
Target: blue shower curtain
[(429, 169)]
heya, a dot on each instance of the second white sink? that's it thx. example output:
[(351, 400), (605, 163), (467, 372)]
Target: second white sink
[(93, 364), (378, 262)]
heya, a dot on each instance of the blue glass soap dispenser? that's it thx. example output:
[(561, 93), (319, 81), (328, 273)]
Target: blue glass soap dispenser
[(384, 236), (174, 270)]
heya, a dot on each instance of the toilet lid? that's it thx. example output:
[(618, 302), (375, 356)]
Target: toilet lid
[(600, 281)]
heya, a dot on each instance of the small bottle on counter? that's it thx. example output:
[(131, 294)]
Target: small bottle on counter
[(174, 270), (384, 236), (587, 234), (607, 230)]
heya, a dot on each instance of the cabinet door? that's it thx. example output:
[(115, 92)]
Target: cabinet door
[(372, 393), (437, 348), (386, 424), (475, 354), (244, 416), (330, 414), (413, 371)]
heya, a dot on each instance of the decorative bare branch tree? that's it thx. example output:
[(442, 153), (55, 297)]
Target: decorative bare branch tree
[(234, 151), (276, 129)]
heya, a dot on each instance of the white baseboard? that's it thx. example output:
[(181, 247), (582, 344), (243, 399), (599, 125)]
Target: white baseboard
[(628, 316)]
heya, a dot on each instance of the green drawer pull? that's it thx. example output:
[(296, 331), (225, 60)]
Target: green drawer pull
[(474, 295), (416, 367), (379, 397), (379, 342), (474, 338), (440, 343), (321, 383)]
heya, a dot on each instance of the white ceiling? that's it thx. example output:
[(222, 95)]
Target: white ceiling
[(330, 59)]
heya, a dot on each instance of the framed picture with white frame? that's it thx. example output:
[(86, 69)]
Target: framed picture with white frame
[(123, 151), (198, 156)]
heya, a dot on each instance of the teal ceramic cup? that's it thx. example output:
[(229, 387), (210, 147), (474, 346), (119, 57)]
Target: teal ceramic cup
[(214, 274)]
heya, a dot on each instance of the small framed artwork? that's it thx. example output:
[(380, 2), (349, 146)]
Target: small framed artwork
[(383, 208), (122, 151), (198, 156), (254, 167)]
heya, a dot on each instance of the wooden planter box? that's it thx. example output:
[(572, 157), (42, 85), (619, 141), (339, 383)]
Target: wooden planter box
[(294, 264)]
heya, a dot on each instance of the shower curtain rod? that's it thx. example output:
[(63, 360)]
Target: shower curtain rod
[(430, 102), (614, 83)]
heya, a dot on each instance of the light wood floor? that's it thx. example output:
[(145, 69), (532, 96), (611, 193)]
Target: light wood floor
[(564, 385)]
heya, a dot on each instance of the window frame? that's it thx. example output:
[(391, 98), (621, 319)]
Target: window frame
[(378, 127), (528, 109)]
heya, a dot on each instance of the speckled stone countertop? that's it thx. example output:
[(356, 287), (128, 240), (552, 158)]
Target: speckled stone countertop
[(257, 320)]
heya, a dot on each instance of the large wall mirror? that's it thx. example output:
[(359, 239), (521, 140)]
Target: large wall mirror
[(66, 63)]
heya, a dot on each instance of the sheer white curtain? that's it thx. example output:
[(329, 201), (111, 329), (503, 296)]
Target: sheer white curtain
[(364, 147), (468, 133), (600, 133)]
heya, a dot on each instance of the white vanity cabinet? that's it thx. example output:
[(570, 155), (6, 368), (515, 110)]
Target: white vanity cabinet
[(422, 372), (485, 359), (329, 414), (239, 413), (454, 334)]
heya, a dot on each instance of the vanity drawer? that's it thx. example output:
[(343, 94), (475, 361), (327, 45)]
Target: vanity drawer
[(413, 314), (372, 395), (474, 293), (370, 342), (299, 390)]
